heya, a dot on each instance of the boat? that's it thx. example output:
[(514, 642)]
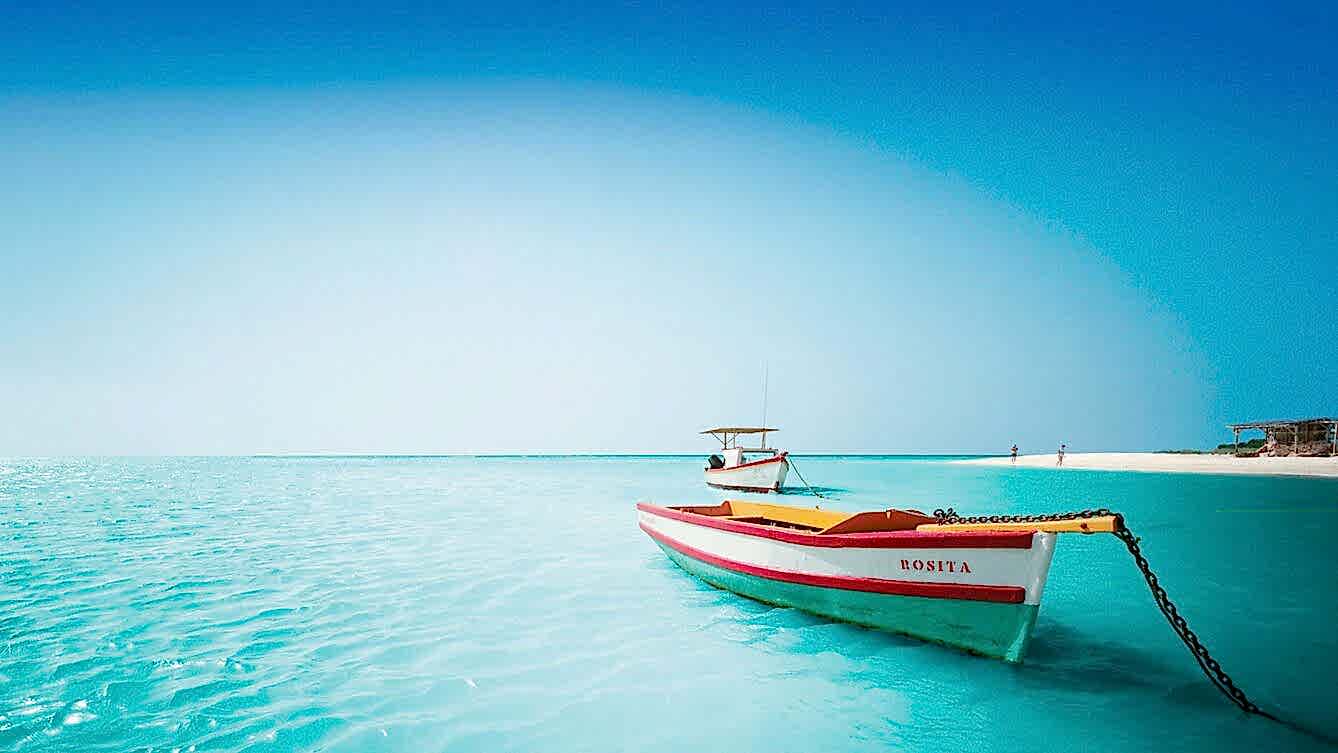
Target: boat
[(972, 586), (973, 583), (751, 469)]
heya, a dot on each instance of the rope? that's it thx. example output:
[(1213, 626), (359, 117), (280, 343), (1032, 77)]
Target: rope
[(795, 468), (1211, 668)]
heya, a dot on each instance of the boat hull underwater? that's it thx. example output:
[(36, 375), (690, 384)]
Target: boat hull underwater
[(975, 590)]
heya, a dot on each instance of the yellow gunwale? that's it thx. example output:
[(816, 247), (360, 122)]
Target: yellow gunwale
[(807, 516), (823, 520)]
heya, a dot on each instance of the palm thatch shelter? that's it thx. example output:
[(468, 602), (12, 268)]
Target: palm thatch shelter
[(1307, 436)]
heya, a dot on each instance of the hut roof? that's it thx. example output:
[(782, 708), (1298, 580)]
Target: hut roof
[(1282, 422)]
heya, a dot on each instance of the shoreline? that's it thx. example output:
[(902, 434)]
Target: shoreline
[(1165, 462)]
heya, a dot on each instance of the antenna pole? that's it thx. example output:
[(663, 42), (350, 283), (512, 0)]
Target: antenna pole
[(766, 378)]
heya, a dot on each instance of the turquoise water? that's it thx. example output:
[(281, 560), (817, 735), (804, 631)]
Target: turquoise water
[(461, 604)]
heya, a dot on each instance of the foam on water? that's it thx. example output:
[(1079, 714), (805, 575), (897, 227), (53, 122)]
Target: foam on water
[(411, 604)]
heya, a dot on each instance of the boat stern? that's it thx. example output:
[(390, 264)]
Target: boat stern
[(766, 475)]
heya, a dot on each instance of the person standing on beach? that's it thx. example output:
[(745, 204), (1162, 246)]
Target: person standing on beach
[(1014, 454), (1061, 454)]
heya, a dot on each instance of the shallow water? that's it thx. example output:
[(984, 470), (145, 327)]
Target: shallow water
[(461, 604)]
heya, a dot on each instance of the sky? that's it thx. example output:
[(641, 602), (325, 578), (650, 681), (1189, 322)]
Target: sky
[(423, 228)]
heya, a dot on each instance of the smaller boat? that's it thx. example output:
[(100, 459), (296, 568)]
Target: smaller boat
[(749, 469)]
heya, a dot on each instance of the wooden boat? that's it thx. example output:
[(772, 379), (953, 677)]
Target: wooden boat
[(751, 469), (973, 586)]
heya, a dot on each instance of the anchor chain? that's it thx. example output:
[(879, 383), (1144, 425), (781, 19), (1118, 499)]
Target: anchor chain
[(1210, 666), (950, 516), (811, 490)]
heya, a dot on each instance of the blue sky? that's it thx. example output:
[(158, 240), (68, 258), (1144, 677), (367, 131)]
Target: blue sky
[(428, 229)]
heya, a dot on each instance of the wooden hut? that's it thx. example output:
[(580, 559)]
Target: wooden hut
[(1306, 436)]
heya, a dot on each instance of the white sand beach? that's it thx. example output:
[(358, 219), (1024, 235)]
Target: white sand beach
[(1158, 462)]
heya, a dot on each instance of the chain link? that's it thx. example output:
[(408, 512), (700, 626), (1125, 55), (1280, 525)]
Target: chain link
[(950, 516), (1211, 668)]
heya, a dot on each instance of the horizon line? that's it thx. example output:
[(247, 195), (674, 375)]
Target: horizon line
[(523, 454)]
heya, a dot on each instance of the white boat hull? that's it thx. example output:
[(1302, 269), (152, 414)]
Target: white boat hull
[(975, 590), (760, 476)]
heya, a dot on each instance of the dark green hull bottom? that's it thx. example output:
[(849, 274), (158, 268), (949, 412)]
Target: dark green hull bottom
[(1000, 631)]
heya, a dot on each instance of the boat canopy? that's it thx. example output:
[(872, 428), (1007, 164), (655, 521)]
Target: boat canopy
[(729, 437)]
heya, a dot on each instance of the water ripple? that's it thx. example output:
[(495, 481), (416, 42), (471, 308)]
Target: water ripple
[(362, 604)]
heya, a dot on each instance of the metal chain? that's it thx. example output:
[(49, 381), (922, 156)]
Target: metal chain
[(811, 490), (950, 516), (1211, 668)]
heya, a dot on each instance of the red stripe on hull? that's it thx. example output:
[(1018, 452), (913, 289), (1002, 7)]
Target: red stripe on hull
[(874, 540), (778, 459), (960, 591), (759, 489)]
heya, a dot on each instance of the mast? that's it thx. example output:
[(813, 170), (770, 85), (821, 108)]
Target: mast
[(766, 375)]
